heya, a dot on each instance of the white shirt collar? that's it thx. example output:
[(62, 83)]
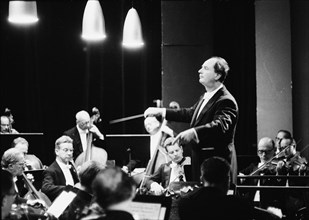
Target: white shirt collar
[(209, 95), (81, 131), (63, 165)]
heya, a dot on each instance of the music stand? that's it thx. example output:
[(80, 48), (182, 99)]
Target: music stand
[(151, 207)]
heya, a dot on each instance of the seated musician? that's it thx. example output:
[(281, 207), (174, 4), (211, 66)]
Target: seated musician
[(32, 161), (172, 171), (281, 134), (265, 198), (292, 163), (13, 161), (6, 126), (211, 201), (81, 202), (159, 132), (113, 192), (61, 172)]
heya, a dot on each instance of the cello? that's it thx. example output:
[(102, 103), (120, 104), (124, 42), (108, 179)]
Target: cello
[(34, 194), (92, 152)]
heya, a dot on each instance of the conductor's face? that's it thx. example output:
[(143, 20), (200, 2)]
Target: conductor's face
[(207, 74)]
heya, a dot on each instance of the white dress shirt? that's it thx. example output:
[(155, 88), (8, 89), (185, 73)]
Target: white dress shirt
[(178, 170), (207, 97), (83, 137), (66, 172)]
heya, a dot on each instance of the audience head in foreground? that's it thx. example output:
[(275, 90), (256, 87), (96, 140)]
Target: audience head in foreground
[(113, 191)]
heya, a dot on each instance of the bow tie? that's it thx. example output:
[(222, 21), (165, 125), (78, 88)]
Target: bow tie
[(69, 166)]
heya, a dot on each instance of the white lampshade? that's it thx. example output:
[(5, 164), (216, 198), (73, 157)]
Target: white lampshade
[(93, 22), (23, 12), (132, 30)]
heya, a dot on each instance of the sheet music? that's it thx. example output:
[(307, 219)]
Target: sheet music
[(61, 203), (146, 211)]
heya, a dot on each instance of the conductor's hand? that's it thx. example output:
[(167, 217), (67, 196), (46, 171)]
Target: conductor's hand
[(152, 111), (185, 137)]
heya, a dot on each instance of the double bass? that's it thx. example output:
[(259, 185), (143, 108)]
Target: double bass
[(92, 152)]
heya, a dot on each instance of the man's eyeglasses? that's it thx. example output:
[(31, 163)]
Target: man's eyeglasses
[(67, 150), (264, 151)]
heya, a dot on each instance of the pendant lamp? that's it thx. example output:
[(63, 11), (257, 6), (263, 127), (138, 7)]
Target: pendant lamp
[(23, 12), (93, 28), (132, 30)]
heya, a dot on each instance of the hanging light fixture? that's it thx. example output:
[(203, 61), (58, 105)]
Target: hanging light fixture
[(132, 30), (23, 12), (93, 22)]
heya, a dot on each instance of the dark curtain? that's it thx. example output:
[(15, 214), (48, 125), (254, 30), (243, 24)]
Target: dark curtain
[(48, 73), (234, 39)]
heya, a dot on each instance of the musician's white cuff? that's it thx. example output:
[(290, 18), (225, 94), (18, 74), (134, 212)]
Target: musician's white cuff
[(154, 185), (196, 139)]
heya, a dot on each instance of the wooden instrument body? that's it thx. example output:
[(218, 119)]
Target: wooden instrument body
[(33, 194)]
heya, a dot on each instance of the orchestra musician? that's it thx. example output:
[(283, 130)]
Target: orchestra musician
[(292, 163), (81, 202), (32, 161), (264, 198), (211, 201), (159, 132), (170, 172), (62, 171), (13, 161), (113, 191), (80, 132), (280, 135), (6, 126)]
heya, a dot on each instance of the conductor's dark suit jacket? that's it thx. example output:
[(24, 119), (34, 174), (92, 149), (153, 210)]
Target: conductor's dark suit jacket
[(54, 181), (77, 143), (215, 127)]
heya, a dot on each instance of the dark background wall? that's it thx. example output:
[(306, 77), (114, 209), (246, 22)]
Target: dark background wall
[(48, 73)]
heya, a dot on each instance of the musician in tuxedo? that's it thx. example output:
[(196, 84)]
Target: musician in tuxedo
[(81, 202), (32, 161), (264, 166), (80, 133), (13, 160), (213, 118), (212, 201), (172, 171), (61, 172)]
